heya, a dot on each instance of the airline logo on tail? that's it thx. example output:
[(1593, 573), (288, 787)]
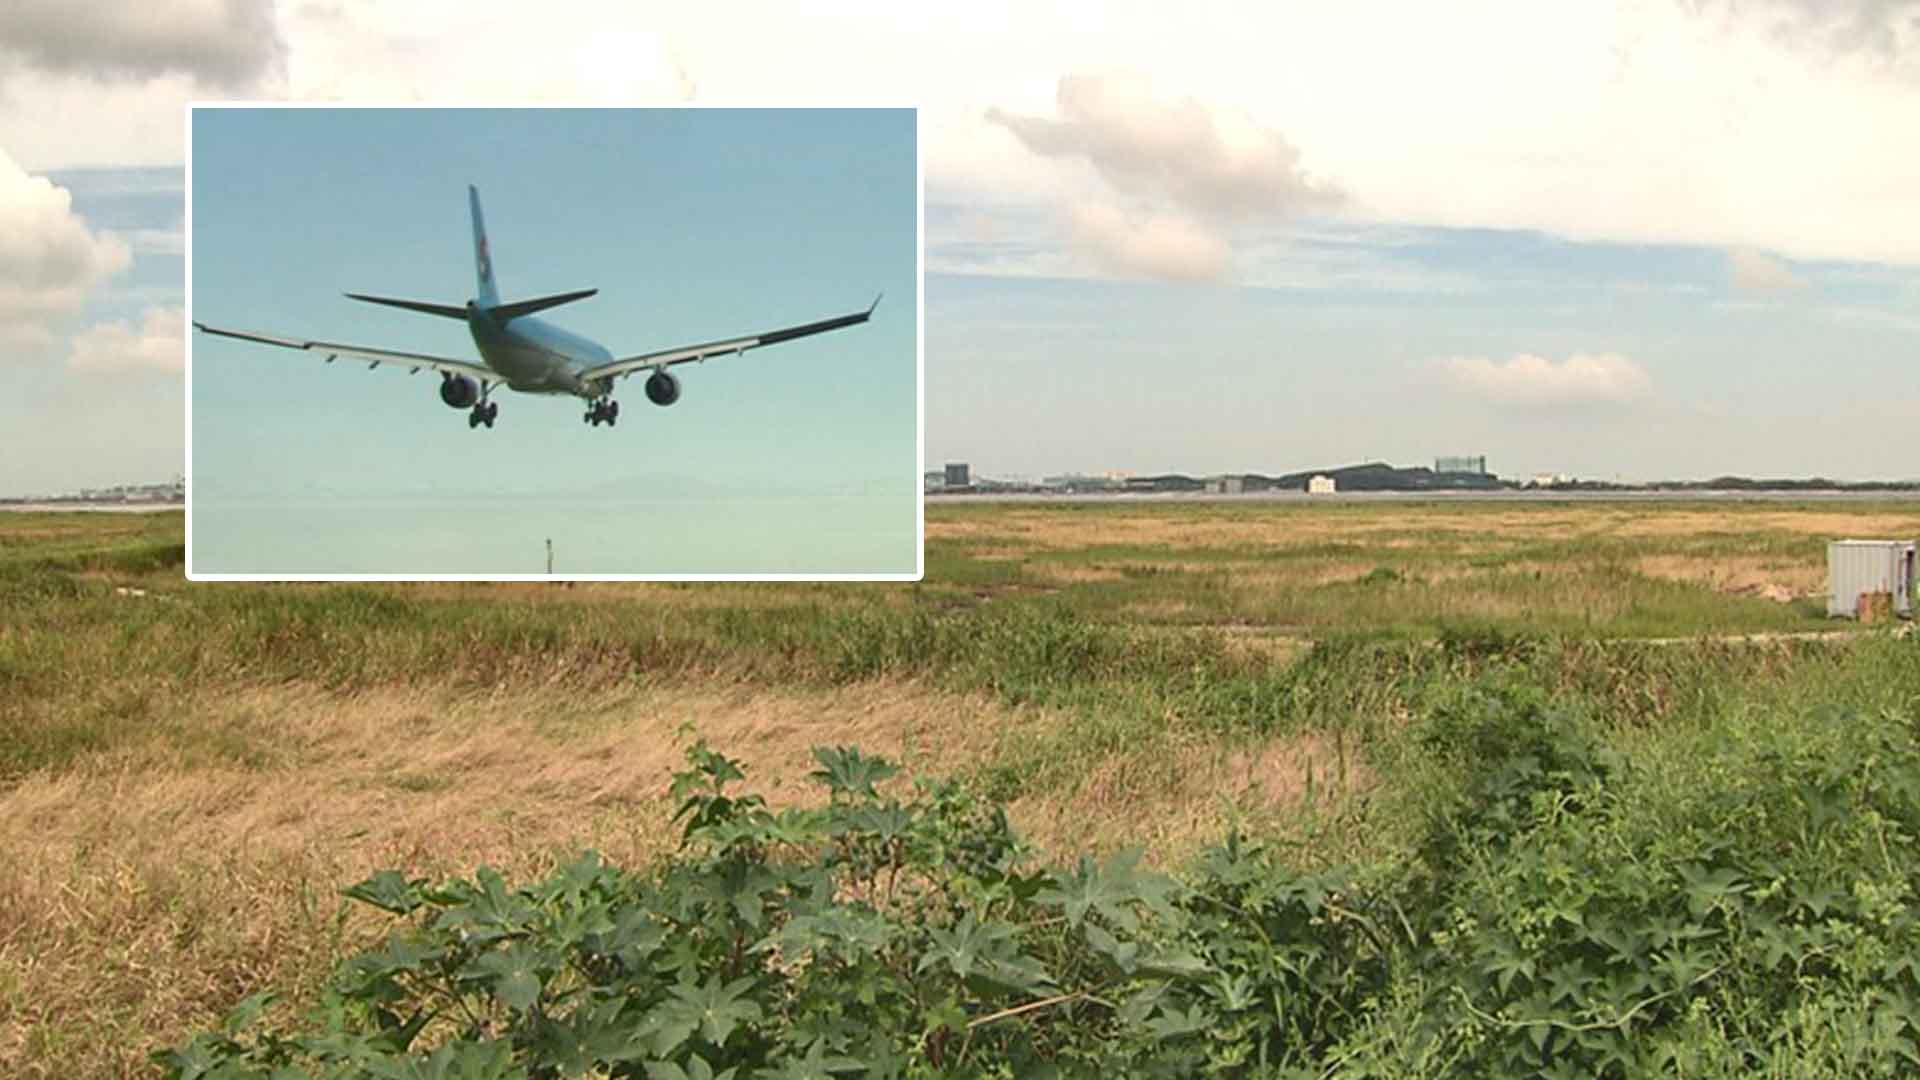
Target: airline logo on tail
[(486, 261)]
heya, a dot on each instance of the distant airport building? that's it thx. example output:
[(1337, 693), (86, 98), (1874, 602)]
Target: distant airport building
[(1474, 465), (1226, 485), (1320, 485), (1080, 482), (1168, 482), (958, 475)]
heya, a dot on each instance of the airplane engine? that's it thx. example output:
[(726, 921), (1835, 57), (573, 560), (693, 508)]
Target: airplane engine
[(662, 388), (459, 391)]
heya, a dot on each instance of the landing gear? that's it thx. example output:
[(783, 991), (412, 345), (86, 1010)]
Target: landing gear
[(483, 413), (603, 411)]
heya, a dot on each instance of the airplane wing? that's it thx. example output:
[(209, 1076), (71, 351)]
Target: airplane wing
[(686, 353), (416, 361)]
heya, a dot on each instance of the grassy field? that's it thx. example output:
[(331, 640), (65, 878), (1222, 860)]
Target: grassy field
[(190, 772)]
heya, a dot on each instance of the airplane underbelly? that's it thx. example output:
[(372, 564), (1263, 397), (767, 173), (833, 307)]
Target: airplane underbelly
[(529, 370), (520, 364)]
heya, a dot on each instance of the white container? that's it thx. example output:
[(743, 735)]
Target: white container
[(1856, 567)]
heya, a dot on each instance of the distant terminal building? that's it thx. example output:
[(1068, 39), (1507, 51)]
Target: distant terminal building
[(1320, 485), (1475, 465), (1164, 483), (958, 475), (1226, 485), (1080, 482)]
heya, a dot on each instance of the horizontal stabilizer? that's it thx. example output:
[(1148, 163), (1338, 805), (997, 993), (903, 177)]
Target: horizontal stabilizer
[(503, 312), (448, 310)]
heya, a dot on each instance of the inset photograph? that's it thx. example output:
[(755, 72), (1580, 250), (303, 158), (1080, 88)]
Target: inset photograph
[(569, 343)]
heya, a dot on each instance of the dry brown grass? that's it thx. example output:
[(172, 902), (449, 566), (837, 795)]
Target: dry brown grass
[(1209, 525), (1837, 524), (147, 889), (1180, 801), (1743, 575), (1415, 525)]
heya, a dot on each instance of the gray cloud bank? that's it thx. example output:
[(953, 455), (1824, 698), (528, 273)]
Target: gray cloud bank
[(233, 44)]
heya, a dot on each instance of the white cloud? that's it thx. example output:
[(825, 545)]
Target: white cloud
[(155, 345), (1696, 122), (1192, 174), (49, 258), (230, 44), (1758, 271), (1527, 380), (1202, 160), (1157, 246), (1885, 32), (121, 104), (441, 51)]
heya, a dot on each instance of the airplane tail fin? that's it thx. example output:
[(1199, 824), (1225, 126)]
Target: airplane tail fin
[(448, 310), (489, 295), (503, 312), (489, 298)]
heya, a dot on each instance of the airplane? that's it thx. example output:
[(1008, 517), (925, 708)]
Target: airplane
[(533, 356)]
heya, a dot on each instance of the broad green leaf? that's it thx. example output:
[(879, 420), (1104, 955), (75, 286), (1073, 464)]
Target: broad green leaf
[(388, 891), (512, 974), (816, 1065), (846, 771), (243, 1014), (1110, 890), (711, 1008)]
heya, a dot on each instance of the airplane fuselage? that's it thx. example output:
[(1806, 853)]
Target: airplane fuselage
[(531, 356), (537, 357)]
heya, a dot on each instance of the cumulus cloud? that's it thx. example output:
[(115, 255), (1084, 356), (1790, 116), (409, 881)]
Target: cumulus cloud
[(1156, 246), (155, 345), (1527, 380), (1880, 36), (1759, 271), (226, 43), (1205, 161), (1880, 29), (1191, 172), (49, 258), (358, 49)]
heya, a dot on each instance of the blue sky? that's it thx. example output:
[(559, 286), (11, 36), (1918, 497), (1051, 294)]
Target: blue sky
[(101, 421), (1615, 238), (695, 225), (1354, 357)]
